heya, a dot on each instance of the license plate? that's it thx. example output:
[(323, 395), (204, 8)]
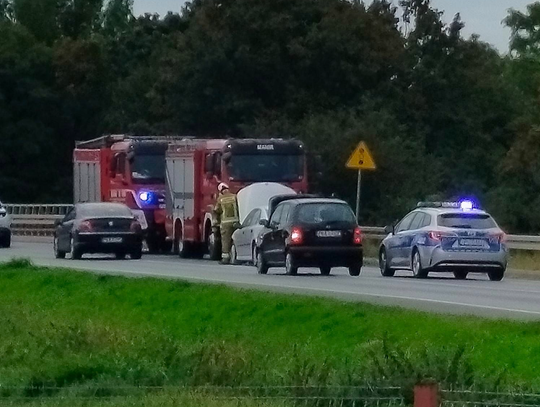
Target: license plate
[(473, 243), (112, 240), (329, 233)]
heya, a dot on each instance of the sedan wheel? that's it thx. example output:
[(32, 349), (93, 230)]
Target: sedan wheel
[(234, 254), (76, 253), (254, 256), (58, 253)]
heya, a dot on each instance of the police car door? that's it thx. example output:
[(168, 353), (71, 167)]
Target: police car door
[(410, 236), (394, 249)]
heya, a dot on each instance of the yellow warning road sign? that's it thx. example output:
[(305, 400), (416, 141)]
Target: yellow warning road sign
[(361, 158)]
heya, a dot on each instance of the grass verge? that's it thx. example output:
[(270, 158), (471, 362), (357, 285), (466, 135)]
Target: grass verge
[(66, 332)]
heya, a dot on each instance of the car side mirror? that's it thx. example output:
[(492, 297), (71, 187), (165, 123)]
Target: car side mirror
[(264, 222), (390, 229)]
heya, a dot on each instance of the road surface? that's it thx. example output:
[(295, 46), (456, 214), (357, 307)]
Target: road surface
[(511, 298)]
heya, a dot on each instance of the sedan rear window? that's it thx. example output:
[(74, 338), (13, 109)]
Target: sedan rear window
[(325, 213), (104, 210), (466, 221)]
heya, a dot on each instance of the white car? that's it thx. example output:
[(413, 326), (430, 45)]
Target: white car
[(5, 227), (253, 204)]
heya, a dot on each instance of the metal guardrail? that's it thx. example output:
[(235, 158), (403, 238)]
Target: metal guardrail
[(35, 220), (38, 220)]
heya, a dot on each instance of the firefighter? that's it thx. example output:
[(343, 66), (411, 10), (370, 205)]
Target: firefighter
[(227, 219)]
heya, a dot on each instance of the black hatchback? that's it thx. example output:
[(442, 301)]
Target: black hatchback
[(98, 228), (312, 232)]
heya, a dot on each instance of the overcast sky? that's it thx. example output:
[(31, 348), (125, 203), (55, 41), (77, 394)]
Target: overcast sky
[(482, 17)]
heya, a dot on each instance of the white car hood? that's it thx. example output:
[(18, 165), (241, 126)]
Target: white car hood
[(257, 196)]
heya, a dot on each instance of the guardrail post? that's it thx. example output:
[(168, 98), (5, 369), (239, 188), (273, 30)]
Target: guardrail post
[(426, 394)]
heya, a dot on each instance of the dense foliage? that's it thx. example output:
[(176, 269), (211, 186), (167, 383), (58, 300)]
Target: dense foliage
[(444, 115)]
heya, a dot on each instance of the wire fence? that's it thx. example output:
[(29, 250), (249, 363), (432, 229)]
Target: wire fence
[(466, 398), (301, 396)]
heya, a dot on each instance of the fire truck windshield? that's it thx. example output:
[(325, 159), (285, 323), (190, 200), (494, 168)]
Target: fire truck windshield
[(265, 168), (148, 169)]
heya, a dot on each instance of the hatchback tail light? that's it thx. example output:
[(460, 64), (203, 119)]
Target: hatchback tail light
[(135, 226), (357, 237), (85, 226), (297, 236)]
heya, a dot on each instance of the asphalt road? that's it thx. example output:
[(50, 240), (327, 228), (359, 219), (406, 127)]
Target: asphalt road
[(511, 298)]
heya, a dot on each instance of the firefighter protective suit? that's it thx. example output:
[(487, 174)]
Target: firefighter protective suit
[(227, 218)]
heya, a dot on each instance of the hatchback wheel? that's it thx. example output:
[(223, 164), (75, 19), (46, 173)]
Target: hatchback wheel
[(59, 254), (325, 271), (290, 265), (460, 274), (418, 270), (355, 271), (262, 265)]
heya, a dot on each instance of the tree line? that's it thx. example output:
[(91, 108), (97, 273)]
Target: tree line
[(444, 115)]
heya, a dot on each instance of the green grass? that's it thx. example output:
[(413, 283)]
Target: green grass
[(76, 331)]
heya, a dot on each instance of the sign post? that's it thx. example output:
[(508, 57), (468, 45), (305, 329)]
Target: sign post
[(360, 159)]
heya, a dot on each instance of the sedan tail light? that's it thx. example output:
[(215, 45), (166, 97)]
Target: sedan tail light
[(357, 237), (85, 226), (135, 226), (297, 236)]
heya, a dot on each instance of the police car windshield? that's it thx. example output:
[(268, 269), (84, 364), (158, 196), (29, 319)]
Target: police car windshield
[(325, 213), (466, 221), (148, 169), (265, 167)]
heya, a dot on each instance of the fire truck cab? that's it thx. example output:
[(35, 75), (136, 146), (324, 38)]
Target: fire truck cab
[(130, 170), (196, 167)]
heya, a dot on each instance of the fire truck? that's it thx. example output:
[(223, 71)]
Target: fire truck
[(196, 167), (129, 170)]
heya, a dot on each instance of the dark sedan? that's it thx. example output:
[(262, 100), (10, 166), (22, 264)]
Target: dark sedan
[(311, 232), (98, 228)]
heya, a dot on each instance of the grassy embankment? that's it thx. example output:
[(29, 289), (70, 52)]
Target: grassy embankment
[(88, 334)]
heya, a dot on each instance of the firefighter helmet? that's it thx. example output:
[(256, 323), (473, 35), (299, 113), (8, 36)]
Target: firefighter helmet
[(222, 186)]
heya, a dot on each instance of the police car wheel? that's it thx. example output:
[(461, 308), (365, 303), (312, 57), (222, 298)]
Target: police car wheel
[(496, 275), (76, 253), (417, 269), (325, 271), (386, 271)]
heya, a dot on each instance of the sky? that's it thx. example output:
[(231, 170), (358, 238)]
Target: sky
[(483, 17)]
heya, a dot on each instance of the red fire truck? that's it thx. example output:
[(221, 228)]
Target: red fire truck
[(130, 170), (196, 167)]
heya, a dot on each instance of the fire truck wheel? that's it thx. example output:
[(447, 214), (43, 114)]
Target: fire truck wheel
[(184, 249)]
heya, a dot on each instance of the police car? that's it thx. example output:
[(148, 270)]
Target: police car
[(445, 237)]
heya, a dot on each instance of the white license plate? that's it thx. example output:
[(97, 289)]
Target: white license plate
[(329, 233), (112, 240), (473, 243)]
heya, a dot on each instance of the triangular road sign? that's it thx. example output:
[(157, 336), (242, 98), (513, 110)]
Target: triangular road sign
[(361, 158)]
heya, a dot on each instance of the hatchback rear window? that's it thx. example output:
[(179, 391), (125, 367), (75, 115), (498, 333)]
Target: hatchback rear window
[(466, 221), (325, 213), (104, 210)]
